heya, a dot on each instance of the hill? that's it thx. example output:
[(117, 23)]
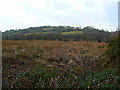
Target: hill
[(58, 33)]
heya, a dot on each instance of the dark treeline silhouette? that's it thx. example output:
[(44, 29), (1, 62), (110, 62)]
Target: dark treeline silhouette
[(59, 33)]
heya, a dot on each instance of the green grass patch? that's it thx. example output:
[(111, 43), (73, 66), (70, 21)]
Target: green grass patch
[(72, 32), (102, 79), (54, 77)]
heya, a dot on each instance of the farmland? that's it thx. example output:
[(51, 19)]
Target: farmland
[(72, 32), (56, 64)]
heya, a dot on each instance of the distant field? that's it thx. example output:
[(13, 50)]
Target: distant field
[(64, 33), (72, 32), (56, 64)]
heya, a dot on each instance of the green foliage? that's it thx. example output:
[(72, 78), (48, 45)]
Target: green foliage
[(54, 77), (37, 77), (114, 51), (72, 32), (103, 79), (61, 33)]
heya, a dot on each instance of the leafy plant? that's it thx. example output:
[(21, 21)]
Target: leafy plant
[(113, 51)]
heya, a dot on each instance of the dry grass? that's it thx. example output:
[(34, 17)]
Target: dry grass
[(54, 52)]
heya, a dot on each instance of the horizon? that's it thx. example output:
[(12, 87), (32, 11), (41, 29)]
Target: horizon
[(21, 14), (58, 26)]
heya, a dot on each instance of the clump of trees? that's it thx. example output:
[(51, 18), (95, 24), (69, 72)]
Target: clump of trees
[(113, 50)]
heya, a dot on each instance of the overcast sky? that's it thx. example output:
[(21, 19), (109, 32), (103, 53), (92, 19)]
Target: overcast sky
[(18, 14)]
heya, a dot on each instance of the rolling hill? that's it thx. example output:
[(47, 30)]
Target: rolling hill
[(58, 33)]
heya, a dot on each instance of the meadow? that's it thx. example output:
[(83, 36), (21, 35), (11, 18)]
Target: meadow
[(72, 32), (57, 64)]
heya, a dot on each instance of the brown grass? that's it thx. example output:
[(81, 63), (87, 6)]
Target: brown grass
[(53, 53)]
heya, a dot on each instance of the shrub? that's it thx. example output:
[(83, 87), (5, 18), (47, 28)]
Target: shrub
[(113, 50)]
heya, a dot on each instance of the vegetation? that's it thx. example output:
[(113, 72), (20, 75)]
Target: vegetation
[(56, 78), (57, 64), (114, 50), (39, 57), (58, 33), (72, 32)]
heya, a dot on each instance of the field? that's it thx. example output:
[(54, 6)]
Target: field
[(56, 64), (72, 32)]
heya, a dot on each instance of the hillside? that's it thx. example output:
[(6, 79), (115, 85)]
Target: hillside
[(58, 33)]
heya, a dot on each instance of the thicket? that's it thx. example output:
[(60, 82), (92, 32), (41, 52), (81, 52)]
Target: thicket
[(113, 50)]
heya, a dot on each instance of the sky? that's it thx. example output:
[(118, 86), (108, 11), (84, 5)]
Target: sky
[(20, 14)]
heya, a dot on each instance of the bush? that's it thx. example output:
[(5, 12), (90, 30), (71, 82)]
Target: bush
[(113, 51)]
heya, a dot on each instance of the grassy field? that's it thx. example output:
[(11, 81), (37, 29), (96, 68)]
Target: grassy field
[(57, 64), (72, 32)]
